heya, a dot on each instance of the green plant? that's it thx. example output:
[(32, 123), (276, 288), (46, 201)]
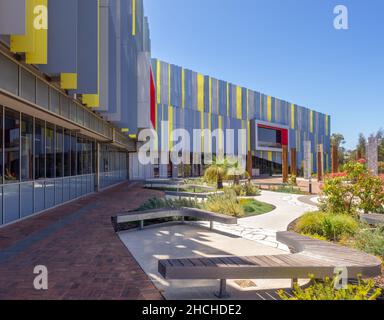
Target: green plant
[(245, 190), (292, 180), (161, 203), (288, 189), (226, 203), (253, 207), (216, 173), (371, 241), (330, 226), (352, 190), (326, 290)]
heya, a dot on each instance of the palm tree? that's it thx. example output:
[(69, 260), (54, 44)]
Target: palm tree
[(217, 172)]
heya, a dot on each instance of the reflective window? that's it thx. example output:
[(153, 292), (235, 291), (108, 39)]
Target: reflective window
[(67, 153), (11, 146), (80, 160), (50, 151), (73, 155), (59, 152), (9, 75), (27, 86), (39, 149), (1, 144), (26, 148), (269, 137)]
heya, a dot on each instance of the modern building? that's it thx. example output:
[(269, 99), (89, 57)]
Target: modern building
[(190, 100), (78, 84)]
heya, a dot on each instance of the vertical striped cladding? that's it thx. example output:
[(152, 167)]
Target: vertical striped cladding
[(125, 66), (12, 17), (87, 47), (205, 102), (62, 37)]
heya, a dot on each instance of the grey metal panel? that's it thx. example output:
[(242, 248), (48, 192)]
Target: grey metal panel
[(11, 202), (49, 193), (73, 188), (39, 196), (12, 17), (66, 189), (26, 195), (62, 37), (58, 191)]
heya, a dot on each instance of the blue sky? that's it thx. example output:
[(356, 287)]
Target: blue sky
[(284, 48)]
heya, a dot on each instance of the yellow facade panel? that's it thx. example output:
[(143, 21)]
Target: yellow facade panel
[(68, 81), (239, 103)]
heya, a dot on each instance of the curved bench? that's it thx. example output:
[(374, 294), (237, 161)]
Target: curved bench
[(311, 257), (374, 219), (183, 213)]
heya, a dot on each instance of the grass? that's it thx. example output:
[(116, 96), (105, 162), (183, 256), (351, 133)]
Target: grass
[(255, 208), (289, 189)]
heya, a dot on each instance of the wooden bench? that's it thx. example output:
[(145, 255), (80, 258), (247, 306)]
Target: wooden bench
[(175, 213), (374, 219), (311, 257)]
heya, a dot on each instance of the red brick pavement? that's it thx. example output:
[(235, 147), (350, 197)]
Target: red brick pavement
[(76, 242)]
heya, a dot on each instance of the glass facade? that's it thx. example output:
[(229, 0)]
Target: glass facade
[(43, 165)]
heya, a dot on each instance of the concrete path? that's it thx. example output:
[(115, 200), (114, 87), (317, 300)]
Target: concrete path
[(251, 236), (263, 228)]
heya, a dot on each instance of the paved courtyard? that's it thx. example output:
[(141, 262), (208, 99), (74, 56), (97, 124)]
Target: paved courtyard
[(76, 242), (251, 236)]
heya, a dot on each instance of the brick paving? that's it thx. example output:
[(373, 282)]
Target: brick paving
[(76, 242)]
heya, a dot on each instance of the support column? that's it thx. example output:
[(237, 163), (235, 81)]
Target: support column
[(97, 178), (294, 162), (249, 164), (319, 165), (335, 159), (285, 164)]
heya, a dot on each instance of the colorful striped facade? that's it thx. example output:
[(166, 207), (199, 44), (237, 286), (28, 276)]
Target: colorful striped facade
[(77, 86), (187, 99)]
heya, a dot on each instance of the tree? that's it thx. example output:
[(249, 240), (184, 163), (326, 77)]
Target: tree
[(362, 146), (338, 140)]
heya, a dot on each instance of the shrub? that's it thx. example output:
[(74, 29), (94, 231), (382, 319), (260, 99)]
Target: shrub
[(353, 190), (226, 203), (330, 226), (371, 241), (292, 180), (245, 190), (161, 203), (288, 189), (326, 290)]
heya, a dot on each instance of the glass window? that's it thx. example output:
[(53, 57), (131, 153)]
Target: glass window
[(26, 148), (67, 153), (27, 86), (50, 151), (55, 101), (1, 144), (80, 162), (269, 137), (64, 106), (59, 152), (42, 94), (73, 111), (73, 155), (39, 149), (94, 155), (11, 146), (9, 75)]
